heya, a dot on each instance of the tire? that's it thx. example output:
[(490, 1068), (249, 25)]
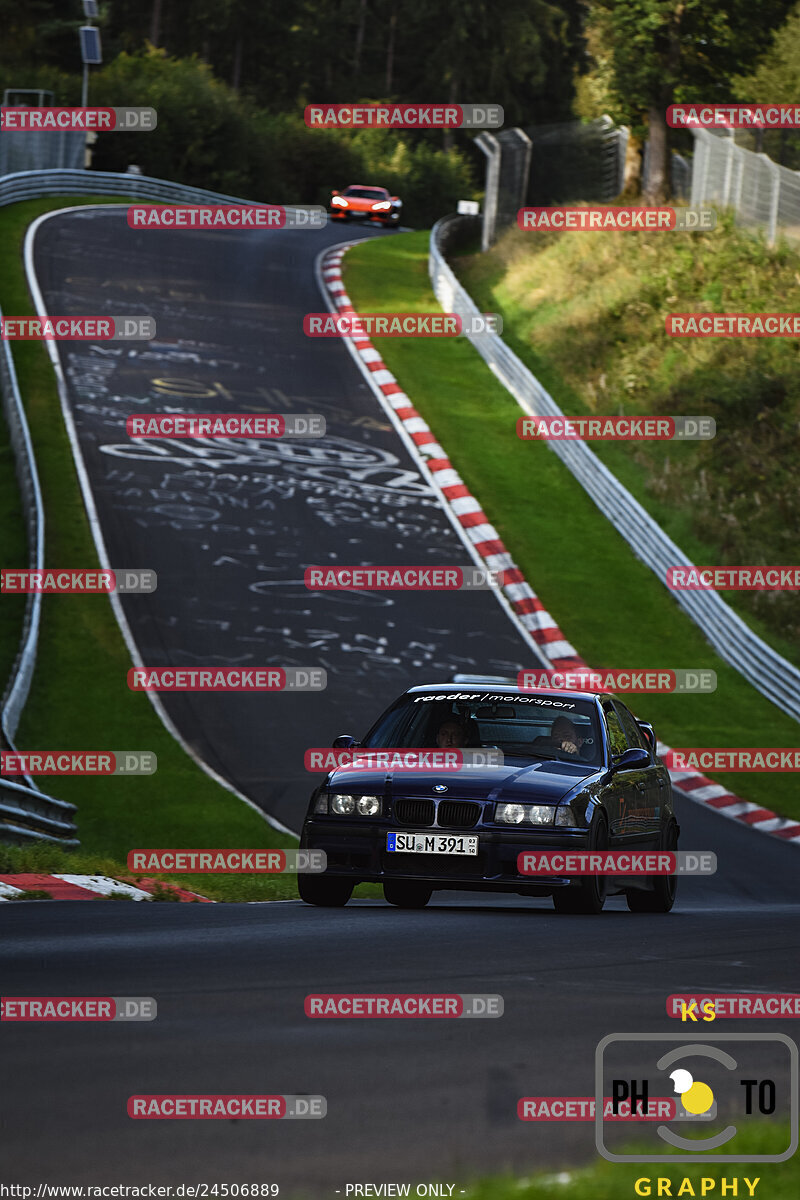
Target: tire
[(590, 895), (327, 892), (662, 896), (405, 894)]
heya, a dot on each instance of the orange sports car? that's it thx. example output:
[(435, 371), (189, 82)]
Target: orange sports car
[(362, 203)]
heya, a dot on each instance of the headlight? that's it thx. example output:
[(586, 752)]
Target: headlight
[(369, 806), (321, 805), (382, 204), (541, 814), (339, 201), (343, 805), (565, 815), (510, 814), (515, 814)]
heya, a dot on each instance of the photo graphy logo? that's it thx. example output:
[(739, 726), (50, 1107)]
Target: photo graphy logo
[(724, 1081)]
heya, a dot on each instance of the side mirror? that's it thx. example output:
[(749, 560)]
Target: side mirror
[(334, 192), (630, 759), (345, 741), (649, 732)]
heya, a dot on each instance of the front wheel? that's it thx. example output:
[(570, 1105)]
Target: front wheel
[(406, 895), (327, 892), (662, 896), (589, 895)]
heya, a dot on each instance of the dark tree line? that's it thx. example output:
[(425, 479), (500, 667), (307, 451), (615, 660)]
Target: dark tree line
[(522, 54)]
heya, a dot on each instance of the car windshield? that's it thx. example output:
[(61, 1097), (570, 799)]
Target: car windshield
[(362, 193), (522, 726)]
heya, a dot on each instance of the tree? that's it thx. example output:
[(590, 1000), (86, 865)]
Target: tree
[(776, 80), (664, 52)]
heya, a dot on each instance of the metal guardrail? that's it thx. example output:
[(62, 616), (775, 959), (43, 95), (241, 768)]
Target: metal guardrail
[(28, 478), (26, 814), (61, 181), (734, 641)]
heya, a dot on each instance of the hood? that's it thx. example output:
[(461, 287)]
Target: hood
[(514, 781)]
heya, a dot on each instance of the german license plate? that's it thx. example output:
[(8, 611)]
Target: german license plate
[(430, 843)]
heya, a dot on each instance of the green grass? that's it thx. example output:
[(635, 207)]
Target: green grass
[(80, 699), (616, 1181), (586, 313), (610, 606)]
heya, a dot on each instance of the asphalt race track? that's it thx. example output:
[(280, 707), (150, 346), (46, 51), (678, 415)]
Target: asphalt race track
[(408, 1100), (230, 525), (413, 1100)]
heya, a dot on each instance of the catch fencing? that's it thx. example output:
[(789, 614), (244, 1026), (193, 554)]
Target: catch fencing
[(761, 193)]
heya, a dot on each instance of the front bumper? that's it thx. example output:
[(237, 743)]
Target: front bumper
[(383, 218), (358, 852)]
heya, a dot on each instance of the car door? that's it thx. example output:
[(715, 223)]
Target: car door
[(647, 780), (620, 796)]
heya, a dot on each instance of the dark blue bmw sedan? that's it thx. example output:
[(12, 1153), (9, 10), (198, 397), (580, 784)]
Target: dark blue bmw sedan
[(541, 770)]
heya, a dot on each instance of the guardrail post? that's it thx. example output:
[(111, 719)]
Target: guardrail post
[(490, 146), (772, 223)]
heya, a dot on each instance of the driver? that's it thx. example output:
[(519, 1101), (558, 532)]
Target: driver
[(565, 736), (451, 733)]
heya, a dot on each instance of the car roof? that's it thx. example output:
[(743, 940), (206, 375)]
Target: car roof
[(370, 187), (504, 689)]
